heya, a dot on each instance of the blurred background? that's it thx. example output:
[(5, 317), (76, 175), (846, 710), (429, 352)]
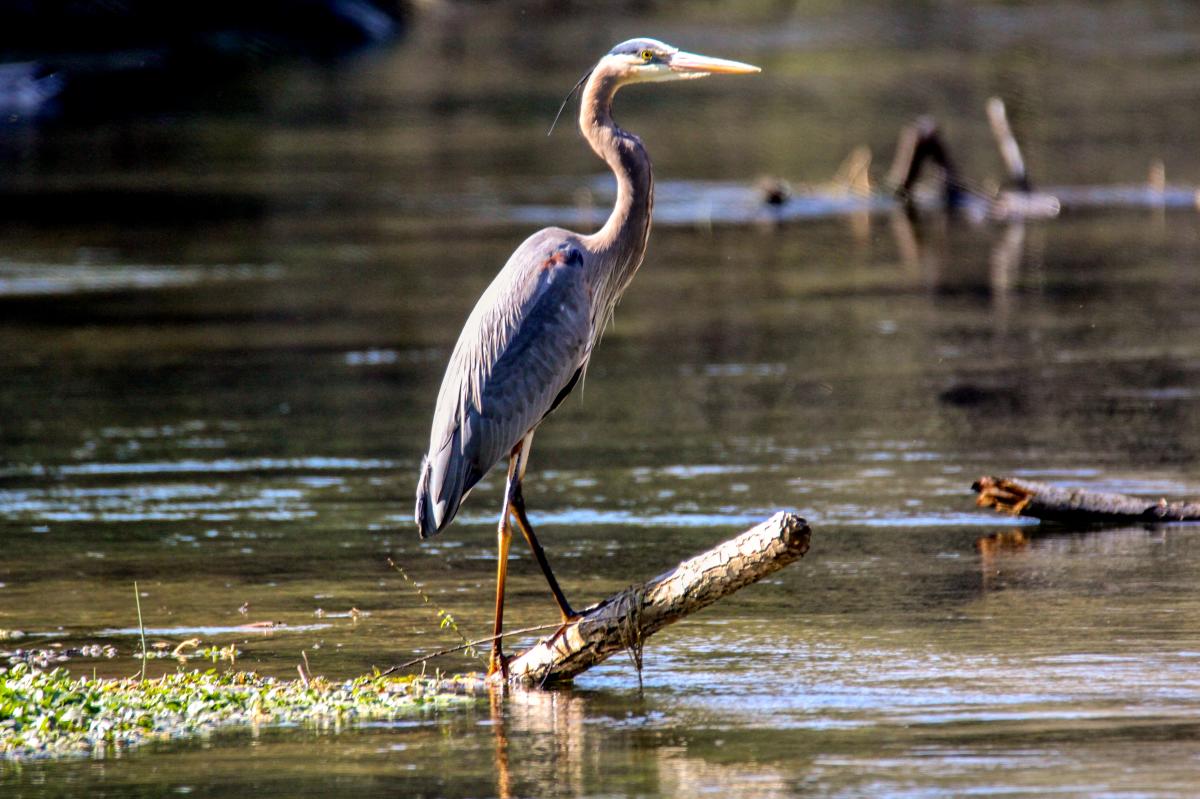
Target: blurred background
[(238, 241)]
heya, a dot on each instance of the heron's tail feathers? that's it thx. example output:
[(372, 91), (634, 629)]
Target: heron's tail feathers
[(428, 523), (440, 489)]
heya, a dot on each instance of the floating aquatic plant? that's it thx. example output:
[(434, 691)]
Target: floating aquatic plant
[(52, 713)]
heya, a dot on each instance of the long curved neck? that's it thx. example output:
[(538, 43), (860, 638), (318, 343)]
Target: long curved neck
[(621, 243)]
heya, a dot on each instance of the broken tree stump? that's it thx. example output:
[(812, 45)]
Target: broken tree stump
[(1019, 201), (1051, 503), (920, 142), (623, 621), (1006, 143)]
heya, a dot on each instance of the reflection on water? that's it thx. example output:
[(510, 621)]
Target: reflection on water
[(25, 279), (222, 329)]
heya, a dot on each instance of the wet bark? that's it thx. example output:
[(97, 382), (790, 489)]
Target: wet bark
[(1051, 503), (623, 622)]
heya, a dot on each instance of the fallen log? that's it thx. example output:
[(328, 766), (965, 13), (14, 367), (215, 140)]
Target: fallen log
[(1051, 503), (624, 621)]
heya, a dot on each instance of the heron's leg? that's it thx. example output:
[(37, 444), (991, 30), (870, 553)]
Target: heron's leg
[(503, 538), (496, 661), (516, 505)]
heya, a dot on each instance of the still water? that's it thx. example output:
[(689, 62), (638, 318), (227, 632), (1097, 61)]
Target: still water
[(223, 324)]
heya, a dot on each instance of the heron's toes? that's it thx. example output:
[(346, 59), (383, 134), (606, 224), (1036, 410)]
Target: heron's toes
[(498, 663)]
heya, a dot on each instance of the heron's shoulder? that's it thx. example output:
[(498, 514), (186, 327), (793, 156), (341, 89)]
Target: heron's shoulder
[(550, 261), (549, 247), (545, 280)]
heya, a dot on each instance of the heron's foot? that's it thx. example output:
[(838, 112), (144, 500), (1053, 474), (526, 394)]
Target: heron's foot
[(498, 663)]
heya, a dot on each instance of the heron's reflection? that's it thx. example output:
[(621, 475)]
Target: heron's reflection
[(555, 753), (565, 743), (503, 778)]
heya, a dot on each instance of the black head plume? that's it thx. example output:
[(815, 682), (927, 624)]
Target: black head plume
[(567, 99)]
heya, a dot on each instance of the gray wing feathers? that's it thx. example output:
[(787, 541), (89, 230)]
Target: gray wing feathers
[(521, 346)]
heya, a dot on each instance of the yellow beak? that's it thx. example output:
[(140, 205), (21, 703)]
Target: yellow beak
[(694, 64)]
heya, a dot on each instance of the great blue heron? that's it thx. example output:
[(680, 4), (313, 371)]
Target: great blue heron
[(530, 337)]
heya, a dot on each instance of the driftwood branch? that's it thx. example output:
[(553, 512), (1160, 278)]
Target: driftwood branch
[(1042, 501), (918, 143), (1006, 143), (624, 621), (922, 142)]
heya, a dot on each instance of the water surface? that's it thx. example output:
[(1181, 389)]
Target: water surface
[(221, 351)]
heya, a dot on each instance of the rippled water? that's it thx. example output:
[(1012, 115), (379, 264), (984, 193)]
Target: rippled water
[(226, 402)]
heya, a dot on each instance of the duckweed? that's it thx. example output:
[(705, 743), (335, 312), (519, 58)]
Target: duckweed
[(52, 713)]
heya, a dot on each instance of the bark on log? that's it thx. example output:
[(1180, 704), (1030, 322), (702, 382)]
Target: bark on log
[(624, 621), (1042, 501)]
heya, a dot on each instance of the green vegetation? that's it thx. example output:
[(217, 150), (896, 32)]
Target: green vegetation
[(52, 713)]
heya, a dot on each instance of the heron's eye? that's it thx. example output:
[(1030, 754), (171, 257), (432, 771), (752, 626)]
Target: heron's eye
[(647, 55)]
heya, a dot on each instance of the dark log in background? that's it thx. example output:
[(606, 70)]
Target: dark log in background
[(1043, 501)]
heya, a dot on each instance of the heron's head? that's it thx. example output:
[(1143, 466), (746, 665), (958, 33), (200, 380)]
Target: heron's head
[(649, 60)]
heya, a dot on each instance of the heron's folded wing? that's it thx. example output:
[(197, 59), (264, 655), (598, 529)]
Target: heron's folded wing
[(521, 348)]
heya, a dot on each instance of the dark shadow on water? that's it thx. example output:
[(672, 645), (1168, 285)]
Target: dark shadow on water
[(145, 208)]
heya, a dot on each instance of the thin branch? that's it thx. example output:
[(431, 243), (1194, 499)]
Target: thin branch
[(141, 627), (467, 645)]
